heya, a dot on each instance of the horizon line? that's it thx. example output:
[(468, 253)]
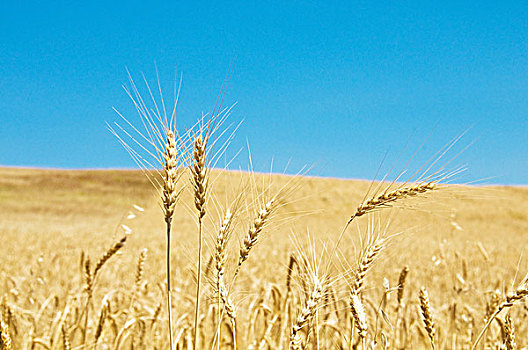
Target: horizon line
[(26, 167)]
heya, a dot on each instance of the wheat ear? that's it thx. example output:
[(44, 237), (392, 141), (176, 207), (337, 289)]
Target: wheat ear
[(366, 262), (101, 322), (199, 173), (384, 200), (156, 314), (222, 238), (65, 338), (88, 278), (291, 264), (306, 314), (491, 305), (360, 317), (108, 254), (221, 244), (170, 177), (226, 300), (509, 333), (427, 316), (255, 229), (220, 260), (140, 268), (401, 286), (5, 338)]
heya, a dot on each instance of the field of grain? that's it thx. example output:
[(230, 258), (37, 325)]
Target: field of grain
[(465, 246)]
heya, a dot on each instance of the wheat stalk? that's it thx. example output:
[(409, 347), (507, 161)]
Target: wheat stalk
[(491, 305), (90, 277), (169, 199), (427, 316), (199, 179), (520, 293), (266, 337), (164, 147)]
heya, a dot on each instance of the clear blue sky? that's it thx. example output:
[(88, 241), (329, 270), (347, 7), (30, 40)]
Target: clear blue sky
[(330, 83)]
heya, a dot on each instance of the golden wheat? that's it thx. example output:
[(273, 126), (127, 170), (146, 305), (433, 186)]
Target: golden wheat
[(360, 316), (311, 314), (387, 198), (5, 338), (427, 316), (509, 333), (255, 229), (307, 313)]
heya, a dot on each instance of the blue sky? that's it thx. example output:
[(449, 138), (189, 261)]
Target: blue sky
[(334, 84)]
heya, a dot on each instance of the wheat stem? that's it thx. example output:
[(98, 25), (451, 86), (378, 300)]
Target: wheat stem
[(169, 298), (199, 276)]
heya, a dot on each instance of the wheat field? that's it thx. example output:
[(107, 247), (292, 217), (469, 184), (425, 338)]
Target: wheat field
[(464, 248)]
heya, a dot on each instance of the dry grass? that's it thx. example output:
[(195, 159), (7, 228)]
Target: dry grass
[(463, 245)]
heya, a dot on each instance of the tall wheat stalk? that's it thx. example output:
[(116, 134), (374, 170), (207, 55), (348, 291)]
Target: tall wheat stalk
[(157, 144), (199, 171), (159, 140), (169, 197)]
